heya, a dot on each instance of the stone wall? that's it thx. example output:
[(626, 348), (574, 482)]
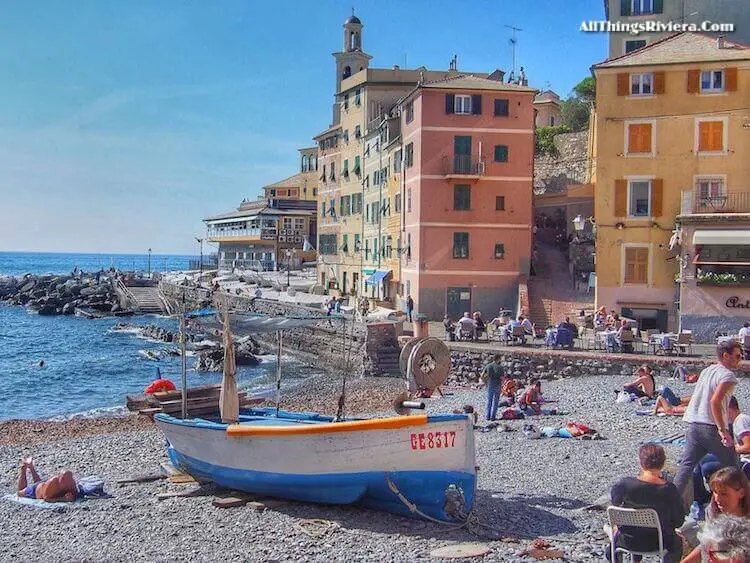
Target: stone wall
[(531, 364), (569, 166)]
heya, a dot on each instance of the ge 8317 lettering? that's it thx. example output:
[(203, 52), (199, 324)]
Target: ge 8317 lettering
[(433, 440)]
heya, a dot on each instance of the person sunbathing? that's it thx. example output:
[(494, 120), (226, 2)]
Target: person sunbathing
[(61, 488), (663, 405), (643, 386)]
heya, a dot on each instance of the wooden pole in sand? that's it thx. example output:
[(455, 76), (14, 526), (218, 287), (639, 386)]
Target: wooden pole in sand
[(183, 364), (278, 371)]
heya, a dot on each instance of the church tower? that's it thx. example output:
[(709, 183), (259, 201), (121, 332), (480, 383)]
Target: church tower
[(351, 60)]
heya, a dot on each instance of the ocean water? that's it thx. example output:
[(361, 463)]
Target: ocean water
[(19, 263), (89, 369)]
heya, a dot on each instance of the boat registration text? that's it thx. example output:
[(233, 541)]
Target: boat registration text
[(430, 440)]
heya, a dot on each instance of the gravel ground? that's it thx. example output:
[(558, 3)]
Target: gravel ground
[(527, 489)]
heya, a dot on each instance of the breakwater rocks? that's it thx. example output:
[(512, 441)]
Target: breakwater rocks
[(151, 332), (61, 295), (466, 366), (245, 351)]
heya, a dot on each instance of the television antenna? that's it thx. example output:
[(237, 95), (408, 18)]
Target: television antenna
[(513, 41)]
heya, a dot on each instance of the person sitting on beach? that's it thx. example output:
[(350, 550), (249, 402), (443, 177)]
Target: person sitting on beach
[(681, 375), (479, 323), (567, 325), (61, 488), (650, 490), (466, 326), (600, 319), (527, 325), (624, 329), (726, 539), (730, 496), (532, 397), (448, 325), (669, 403), (643, 386)]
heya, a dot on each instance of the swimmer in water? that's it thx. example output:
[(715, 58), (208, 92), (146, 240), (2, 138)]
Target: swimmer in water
[(40, 364)]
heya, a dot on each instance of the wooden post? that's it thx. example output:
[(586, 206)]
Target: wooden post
[(278, 371), (183, 363)]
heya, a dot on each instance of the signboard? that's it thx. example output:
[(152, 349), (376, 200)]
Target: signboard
[(735, 302)]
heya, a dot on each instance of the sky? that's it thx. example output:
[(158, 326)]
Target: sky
[(124, 124)]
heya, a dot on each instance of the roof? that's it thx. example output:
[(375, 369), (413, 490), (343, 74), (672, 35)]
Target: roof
[(294, 181), (331, 129), (684, 47), (236, 214), (352, 19), (301, 208), (471, 82)]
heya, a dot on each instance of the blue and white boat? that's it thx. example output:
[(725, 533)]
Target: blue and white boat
[(383, 463)]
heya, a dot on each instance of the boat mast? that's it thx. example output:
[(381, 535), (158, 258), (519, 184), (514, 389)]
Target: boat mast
[(183, 358), (345, 366), (278, 371)]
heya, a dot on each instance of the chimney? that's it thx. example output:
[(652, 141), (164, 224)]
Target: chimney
[(721, 42)]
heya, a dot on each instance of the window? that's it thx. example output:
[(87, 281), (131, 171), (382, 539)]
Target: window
[(385, 207), (639, 198), (552, 120), (315, 191), (639, 138), (408, 200), (500, 203), (397, 161), (304, 163), (323, 175), (367, 213), (299, 224), (710, 189), (641, 84), (711, 136), (712, 81), (389, 246), (461, 197), (345, 207), (345, 243), (501, 153), (333, 171), (409, 155), (357, 132), (357, 97), (345, 171), (409, 112), (357, 170), (357, 243), (327, 244), (641, 7), (408, 248), (346, 101), (460, 245), (357, 203), (462, 105), (367, 248), (499, 251), (501, 108), (397, 203), (634, 44), (636, 265), (346, 135), (323, 209), (287, 223)]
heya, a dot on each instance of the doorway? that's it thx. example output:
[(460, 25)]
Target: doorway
[(458, 302)]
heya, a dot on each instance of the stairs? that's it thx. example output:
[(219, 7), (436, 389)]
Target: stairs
[(147, 299), (552, 294)]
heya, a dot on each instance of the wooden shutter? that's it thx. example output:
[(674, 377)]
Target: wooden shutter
[(623, 84), (693, 81), (659, 80), (716, 136), (621, 198), (657, 197), (658, 6), (450, 102), (625, 7), (645, 130), (704, 135), (501, 107), (476, 104), (730, 74), (641, 260)]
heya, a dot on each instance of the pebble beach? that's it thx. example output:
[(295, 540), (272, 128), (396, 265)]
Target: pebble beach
[(528, 489)]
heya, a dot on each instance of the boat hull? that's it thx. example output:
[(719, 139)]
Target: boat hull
[(357, 466)]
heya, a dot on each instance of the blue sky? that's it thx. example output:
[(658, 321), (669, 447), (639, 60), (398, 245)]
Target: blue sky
[(123, 124)]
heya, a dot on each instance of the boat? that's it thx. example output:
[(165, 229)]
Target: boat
[(413, 464), (380, 463)]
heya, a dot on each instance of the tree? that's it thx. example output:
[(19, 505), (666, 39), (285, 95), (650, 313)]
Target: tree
[(586, 89), (545, 137), (574, 113)]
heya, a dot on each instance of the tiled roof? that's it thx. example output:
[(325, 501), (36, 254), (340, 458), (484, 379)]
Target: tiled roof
[(685, 47), (469, 82), (295, 181)]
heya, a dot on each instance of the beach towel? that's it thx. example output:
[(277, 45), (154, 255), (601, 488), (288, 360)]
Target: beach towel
[(36, 502), (91, 486)]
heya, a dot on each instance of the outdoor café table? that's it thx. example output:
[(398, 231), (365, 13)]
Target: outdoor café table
[(601, 337), (656, 340), (721, 339)]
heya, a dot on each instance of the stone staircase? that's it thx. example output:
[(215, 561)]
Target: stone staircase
[(552, 294), (147, 299)]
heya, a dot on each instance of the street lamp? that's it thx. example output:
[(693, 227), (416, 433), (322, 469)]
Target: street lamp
[(578, 223), (288, 264), (149, 262), (200, 241)]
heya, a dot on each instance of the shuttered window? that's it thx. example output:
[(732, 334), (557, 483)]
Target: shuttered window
[(710, 136), (502, 108), (460, 245), (501, 153), (639, 138), (636, 266), (500, 203), (461, 197)]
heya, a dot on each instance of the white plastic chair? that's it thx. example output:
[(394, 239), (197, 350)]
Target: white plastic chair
[(641, 518)]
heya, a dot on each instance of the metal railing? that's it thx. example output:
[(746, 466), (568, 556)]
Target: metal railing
[(728, 202), (256, 265), (462, 165), (235, 232)]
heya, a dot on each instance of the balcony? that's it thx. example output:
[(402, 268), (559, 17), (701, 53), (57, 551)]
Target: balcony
[(724, 202), (252, 233), (462, 166)]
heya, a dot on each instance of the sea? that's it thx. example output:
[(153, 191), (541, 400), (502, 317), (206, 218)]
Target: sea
[(88, 367)]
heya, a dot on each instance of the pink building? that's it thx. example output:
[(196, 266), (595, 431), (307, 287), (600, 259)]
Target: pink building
[(468, 150)]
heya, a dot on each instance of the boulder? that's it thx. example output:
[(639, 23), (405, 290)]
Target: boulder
[(68, 309), (87, 291), (47, 310), (28, 286), (115, 307)]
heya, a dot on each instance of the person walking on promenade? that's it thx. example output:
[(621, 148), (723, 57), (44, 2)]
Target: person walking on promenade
[(493, 374), (409, 306), (707, 417)]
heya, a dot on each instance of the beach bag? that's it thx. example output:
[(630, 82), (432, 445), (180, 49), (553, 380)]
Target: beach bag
[(91, 486), (623, 397)]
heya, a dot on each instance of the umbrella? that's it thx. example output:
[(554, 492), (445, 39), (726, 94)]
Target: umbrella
[(229, 405)]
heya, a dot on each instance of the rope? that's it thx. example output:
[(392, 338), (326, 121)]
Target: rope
[(316, 527)]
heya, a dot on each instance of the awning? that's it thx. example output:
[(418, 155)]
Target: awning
[(723, 237), (377, 277)]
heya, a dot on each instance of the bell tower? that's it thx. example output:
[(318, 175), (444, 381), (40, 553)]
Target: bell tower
[(351, 59)]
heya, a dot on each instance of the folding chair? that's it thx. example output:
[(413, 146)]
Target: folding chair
[(627, 341), (518, 335), (639, 518), (684, 342)]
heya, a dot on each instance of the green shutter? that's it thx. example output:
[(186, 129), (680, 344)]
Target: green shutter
[(501, 153), (658, 6), (450, 101), (625, 7)]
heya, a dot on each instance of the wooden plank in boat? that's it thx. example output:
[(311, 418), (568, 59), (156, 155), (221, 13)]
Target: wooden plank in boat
[(231, 502), (147, 478), (181, 478)]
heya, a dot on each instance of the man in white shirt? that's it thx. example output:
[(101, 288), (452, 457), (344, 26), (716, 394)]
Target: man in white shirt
[(741, 429), (706, 415), (744, 337), (466, 325)]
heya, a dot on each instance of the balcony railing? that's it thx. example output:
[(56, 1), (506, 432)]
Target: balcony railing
[(256, 265), (462, 165), (264, 234), (727, 202)]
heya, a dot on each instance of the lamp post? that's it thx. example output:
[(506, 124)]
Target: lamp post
[(578, 223), (149, 262), (288, 253), (200, 241)]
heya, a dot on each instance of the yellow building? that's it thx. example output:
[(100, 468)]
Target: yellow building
[(672, 119), (303, 185)]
